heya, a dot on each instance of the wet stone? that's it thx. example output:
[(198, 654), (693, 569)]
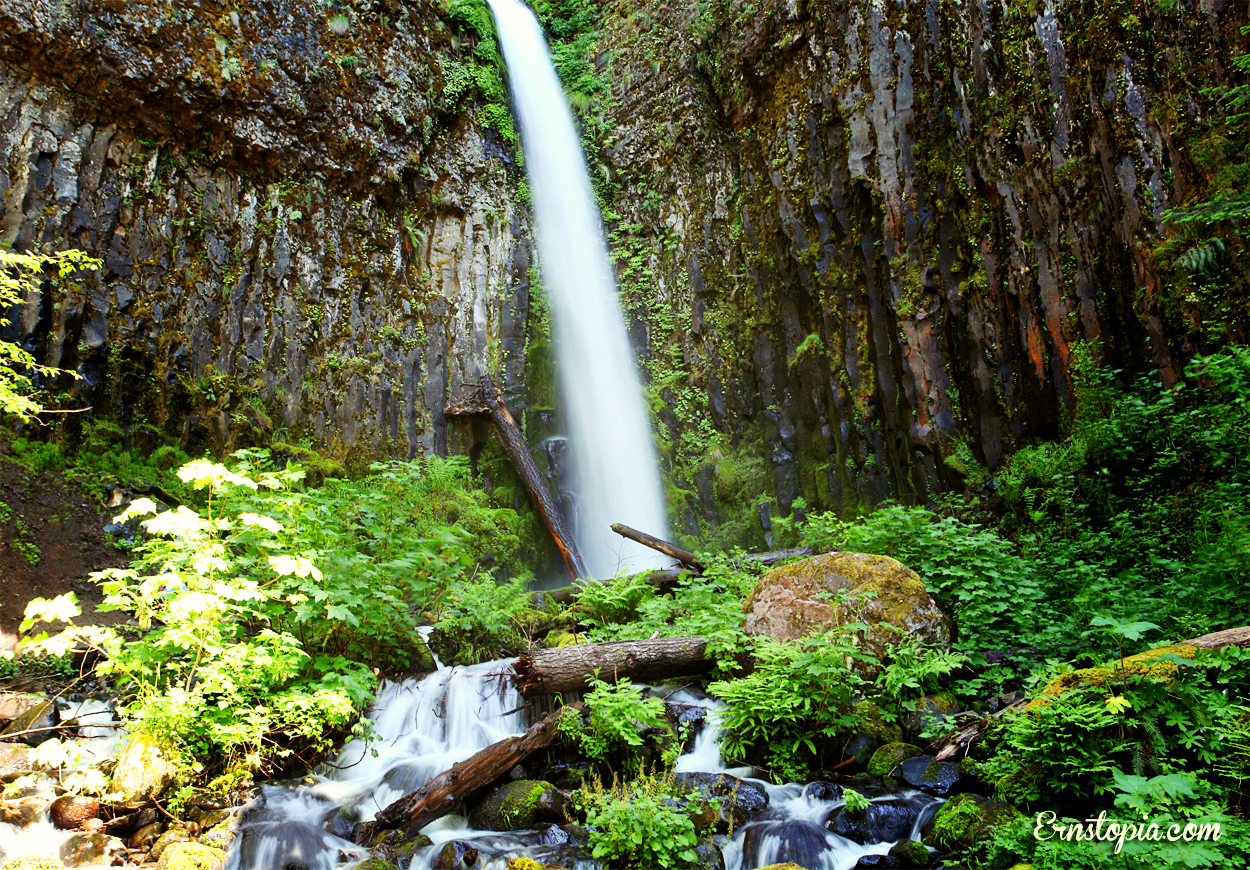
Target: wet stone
[(82, 850), (881, 821), (941, 778)]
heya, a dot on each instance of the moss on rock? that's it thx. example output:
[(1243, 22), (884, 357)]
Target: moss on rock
[(911, 853), (889, 756), (965, 822), (1159, 663), (520, 804), (191, 856)]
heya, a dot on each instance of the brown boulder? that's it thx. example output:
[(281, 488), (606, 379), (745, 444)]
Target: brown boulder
[(82, 850), (70, 811), (787, 602)]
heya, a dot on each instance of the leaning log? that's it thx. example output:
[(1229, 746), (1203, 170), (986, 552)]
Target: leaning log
[(486, 399), (440, 795), (566, 668), (666, 547)]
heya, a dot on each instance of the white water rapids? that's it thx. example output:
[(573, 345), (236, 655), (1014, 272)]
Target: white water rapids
[(427, 724), (614, 460)]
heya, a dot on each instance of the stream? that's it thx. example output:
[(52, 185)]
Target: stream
[(425, 725)]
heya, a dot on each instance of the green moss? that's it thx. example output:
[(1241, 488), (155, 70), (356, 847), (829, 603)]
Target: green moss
[(1151, 663), (965, 822), (889, 756), (911, 853), (30, 863), (191, 856)]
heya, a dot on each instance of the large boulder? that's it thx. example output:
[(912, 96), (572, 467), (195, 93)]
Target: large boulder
[(883, 593), (738, 798), (145, 768), (889, 756), (70, 811), (520, 804)]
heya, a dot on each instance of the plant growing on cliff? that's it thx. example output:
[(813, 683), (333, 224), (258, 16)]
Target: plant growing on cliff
[(19, 274)]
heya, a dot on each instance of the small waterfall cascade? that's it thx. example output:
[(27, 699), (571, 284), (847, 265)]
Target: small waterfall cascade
[(614, 460), (99, 736)]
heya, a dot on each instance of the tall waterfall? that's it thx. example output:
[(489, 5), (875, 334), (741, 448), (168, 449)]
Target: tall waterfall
[(615, 465)]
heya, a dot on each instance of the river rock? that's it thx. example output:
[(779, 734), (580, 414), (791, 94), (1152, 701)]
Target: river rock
[(738, 798), (220, 831), (81, 850), (177, 834), (858, 751), (70, 811), (911, 853), (786, 603), (880, 821), (941, 778), (144, 768), (455, 855), (889, 756), (14, 704), (19, 815), (191, 856), (40, 719), (966, 821), (520, 804), (14, 762), (146, 836)]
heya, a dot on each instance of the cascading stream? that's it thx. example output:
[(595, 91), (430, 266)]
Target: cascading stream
[(427, 724), (614, 460)]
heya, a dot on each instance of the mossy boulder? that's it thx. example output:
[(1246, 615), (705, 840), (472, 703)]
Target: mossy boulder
[(1021, 785), (911, 853), (36, 724), (394, 844), (940, 706), (883, 593), (145, 768), (1160, 663), (965, 822), (377, 864), (520, 804), (786, 866), (191, 856), (529, 864), (889, 756)]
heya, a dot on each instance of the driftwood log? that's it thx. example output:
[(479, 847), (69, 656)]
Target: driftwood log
[(440, 795), (565, 668), (486, 399), (961, 739)]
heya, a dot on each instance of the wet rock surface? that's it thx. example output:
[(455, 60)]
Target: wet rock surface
[(940, 778)]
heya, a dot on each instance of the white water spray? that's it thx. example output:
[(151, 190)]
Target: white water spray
[(614, 460)]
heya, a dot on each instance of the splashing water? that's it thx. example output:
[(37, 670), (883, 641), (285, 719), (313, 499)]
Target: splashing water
[(614, 459)]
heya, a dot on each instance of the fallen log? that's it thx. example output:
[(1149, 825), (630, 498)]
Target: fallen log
[(767, 560), (961, 739), (566, 668), (486, 399), (668, 549), (440, 795)]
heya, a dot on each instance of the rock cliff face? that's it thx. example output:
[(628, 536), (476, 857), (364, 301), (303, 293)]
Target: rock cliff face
[(881, 232), (300, 230), (862, 242)]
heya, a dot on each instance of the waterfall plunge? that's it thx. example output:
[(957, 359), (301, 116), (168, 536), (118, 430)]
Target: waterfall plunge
[(614, 460)]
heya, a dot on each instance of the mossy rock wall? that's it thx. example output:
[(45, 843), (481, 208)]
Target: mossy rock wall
[(874, 235)]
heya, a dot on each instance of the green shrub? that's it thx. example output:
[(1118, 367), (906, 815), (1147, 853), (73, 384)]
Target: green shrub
[(618, 715), (645, 824), (784, 715)]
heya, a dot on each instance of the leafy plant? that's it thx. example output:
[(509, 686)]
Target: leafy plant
[(618, 716), (19, 274), (644, 824), (797, 699)]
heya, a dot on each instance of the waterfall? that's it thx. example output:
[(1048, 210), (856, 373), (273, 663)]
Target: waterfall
[(614, 460)]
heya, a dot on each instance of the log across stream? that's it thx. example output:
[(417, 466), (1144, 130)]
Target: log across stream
[(431, 733)]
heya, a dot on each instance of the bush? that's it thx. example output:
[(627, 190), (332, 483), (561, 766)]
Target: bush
[(646, 824), (798, 698)]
